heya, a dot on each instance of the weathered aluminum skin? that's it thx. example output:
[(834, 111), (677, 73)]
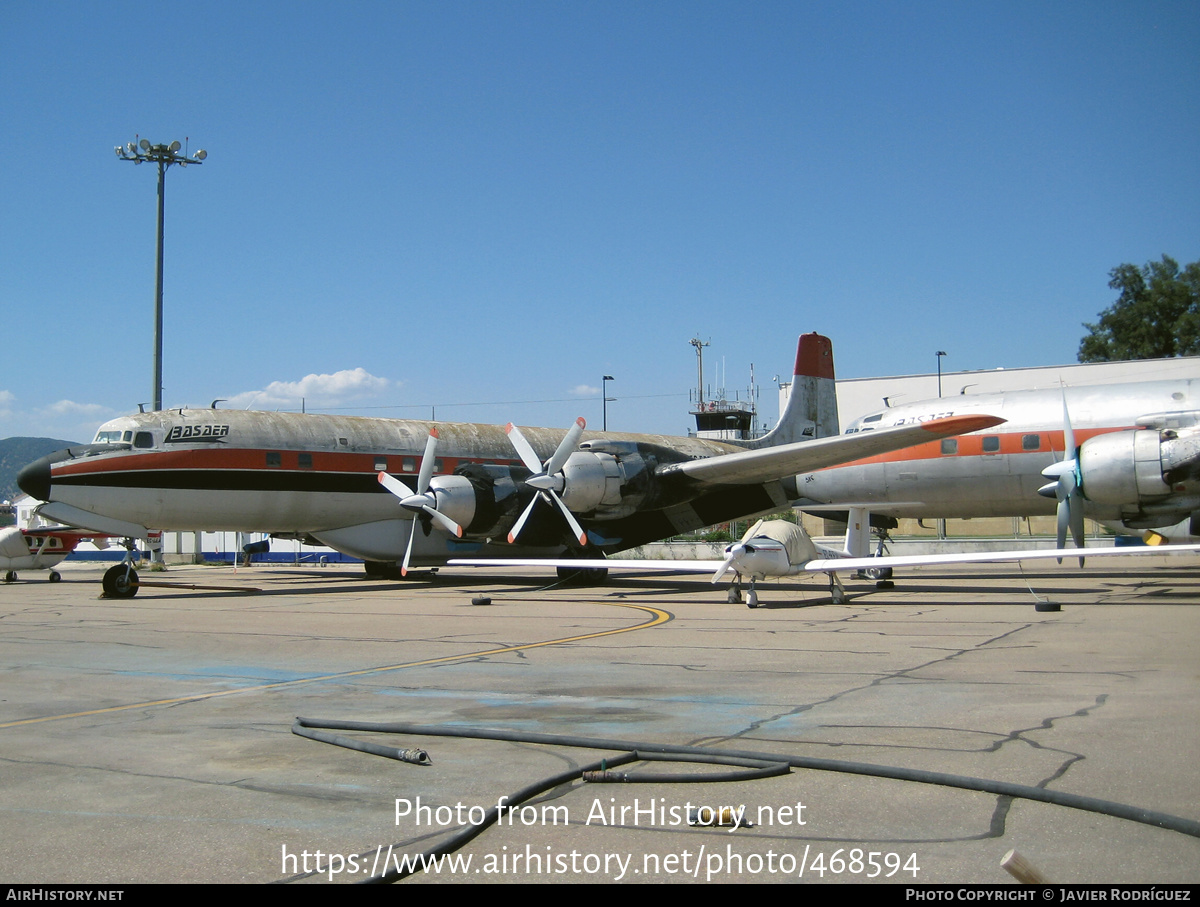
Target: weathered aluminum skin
[(280, 472), (924, 482)]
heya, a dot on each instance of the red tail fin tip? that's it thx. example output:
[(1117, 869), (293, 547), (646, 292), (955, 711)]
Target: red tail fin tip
[(814, 356)]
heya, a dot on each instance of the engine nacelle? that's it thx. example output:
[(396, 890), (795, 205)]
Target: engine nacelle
[(591, 481), (456, 498), (610, 479), (1124, 467), (488, 492)]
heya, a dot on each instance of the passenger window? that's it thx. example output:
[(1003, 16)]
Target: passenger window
[(306, 461), (381, 464), (1031, 442), (408, 464), (274, 458), (991, 444), (949, 446)]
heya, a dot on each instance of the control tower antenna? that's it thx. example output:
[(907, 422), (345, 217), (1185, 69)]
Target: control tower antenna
[(695, 341)]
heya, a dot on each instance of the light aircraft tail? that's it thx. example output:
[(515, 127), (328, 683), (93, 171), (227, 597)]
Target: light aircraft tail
[(811, 410)]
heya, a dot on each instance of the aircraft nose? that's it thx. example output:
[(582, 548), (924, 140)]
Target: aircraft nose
[(34, 479)]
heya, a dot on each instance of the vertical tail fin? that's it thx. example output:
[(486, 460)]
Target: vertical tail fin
[(811, 410)]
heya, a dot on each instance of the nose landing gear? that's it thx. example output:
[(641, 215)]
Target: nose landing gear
[(121, 581)]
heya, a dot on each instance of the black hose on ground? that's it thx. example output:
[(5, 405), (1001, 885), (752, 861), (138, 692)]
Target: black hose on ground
[(632, 751)]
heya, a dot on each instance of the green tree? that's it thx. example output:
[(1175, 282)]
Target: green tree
[(1156, 315)]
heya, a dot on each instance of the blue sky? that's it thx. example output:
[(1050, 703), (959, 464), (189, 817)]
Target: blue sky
[(484, 207)]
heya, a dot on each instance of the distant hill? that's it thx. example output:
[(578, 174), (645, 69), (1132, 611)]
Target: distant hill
[(16, 453)]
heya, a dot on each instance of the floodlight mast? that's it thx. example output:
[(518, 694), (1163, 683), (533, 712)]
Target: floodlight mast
[(164, 156)]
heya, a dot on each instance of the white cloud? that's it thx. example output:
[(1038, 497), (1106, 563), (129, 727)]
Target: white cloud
[(65, 419), (320, 390), (585, 390), (79, 410)]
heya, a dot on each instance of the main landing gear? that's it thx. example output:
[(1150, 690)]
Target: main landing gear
[(735, 592), (10, 576)]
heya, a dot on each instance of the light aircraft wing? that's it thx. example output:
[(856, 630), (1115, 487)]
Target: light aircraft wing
[(753, 467), (583, 563), (829, 565), (837, 564)]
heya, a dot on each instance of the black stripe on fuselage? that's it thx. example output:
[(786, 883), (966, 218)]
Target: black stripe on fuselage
[(230, 480)]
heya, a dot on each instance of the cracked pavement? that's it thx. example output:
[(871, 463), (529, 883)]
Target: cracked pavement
[(149, 740)]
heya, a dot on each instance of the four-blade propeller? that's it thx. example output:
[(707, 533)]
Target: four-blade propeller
[(548, 479), (1067, 487), (423, 502)]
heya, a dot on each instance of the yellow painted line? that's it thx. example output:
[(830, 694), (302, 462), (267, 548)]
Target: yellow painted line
[(657, 616)]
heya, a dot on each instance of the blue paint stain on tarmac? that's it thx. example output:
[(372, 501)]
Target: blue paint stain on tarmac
[(246, 675)]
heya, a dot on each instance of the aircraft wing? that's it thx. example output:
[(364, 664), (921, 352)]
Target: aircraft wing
[(838, 564), (753, 467), (661, 564)]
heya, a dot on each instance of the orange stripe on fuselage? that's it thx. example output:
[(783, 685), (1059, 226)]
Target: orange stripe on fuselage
[(972, 446)]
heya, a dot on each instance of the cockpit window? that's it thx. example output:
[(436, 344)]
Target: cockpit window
[(108, 437)]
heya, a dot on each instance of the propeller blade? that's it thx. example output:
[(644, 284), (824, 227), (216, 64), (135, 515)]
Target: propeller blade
[(444, 521), (1075, 519), (427, 462), (1058, 470), (565, 448), (752, 532), (395, 486), (1069, 452), (735, 551), (408, 550), (520, 523), (580, 535), (524, 450), (1064, 519)]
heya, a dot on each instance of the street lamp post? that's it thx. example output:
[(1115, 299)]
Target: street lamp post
[(940, 354), (604, 393), (164, 156)]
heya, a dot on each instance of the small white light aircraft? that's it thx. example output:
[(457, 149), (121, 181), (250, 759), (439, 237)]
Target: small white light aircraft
[(364, 486), (777, 548), (40, 549)]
